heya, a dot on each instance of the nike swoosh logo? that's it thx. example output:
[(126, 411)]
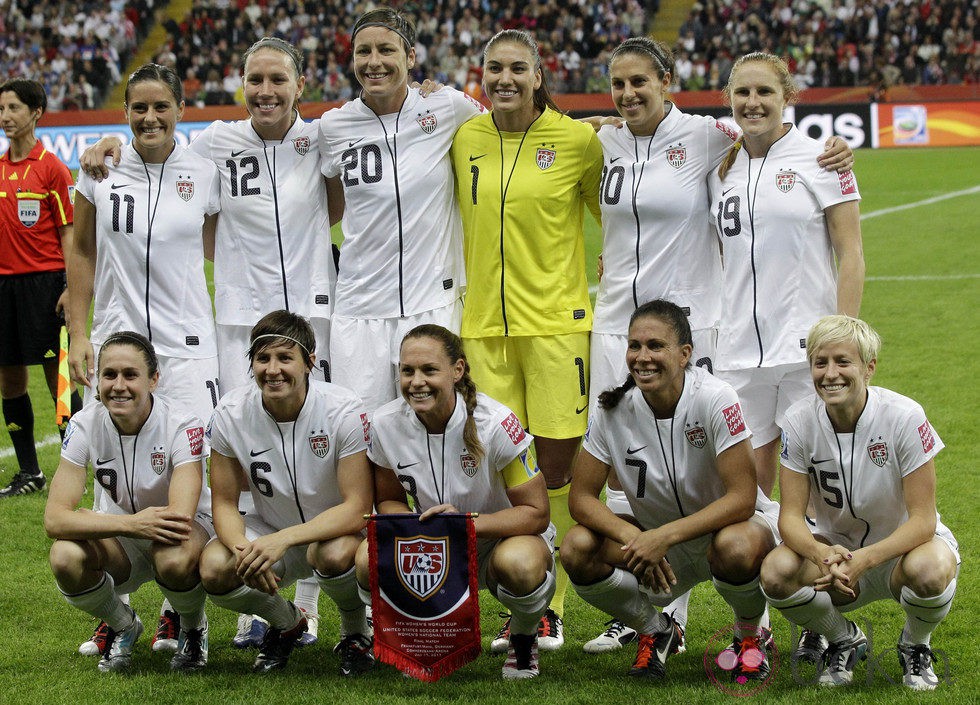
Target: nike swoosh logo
[(115, 186), (100, 461), (814, 461), (352, 143), (473, 159), (582, 410), (613, 161), (631, 451), (235, 154), (726, 190), (662, 654), (407, 465), (257, 453)]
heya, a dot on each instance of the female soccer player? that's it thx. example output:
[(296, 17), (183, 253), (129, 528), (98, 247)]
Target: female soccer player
[(460, 451), (299, 446), (140, 243), (674, 436), (386, 156), (658, 241), (865, 455), (147, 455), (524, 173), (273, 245), (791, 234)]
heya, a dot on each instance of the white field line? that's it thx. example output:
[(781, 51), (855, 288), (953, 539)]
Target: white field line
[(895, 209), (50, 440)]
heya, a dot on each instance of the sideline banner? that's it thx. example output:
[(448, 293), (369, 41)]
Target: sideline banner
[(424, 593)]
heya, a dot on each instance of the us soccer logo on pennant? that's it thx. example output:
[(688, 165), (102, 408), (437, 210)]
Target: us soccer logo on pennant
[(545, 158), (676, 156), (158, 462), (301, 145), (185, 189), (320, 445), (878, 452), (421, 564), (785, 181), (427, 122), (696, 436)]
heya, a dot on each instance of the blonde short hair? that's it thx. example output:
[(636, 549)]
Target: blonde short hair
[(843, 329)]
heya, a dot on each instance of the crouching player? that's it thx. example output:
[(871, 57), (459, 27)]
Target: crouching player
[(441, 423), (674, 436), (299, 446), (865, 456), (147, 456)]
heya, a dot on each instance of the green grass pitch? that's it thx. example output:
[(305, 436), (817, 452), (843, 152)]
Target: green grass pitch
[(923, 288)]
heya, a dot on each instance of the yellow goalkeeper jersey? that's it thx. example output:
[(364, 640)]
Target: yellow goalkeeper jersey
[(522, 198)]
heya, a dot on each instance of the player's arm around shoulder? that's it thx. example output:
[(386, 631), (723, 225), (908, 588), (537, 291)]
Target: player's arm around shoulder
[(592, 174)]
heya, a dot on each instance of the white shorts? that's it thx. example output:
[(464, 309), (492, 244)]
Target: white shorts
[(766, 393), (233, 344), (139, 553), (689, 560), (189, 383), (608, 359), (293, 565), (364, 351)]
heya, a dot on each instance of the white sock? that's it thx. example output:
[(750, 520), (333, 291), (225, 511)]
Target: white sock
[(747, 602), (619, 595), (526, 610), (342, 589), (813, 610), (307, 595), (923, 614), (164, 606), (678, 609), (189, 604), (102, 602), (277, 611)]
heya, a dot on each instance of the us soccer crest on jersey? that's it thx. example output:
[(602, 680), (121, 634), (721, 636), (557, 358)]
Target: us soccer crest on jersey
[(158, 460), (696, 436), (545, 157), (185, 188), (302, 145), (676, 156), (878, 452), (786, 180), (320, 444), (427, 122)]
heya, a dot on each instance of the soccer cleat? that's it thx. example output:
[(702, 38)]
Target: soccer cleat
[(118, 652), (356, 654), (251, 632), (750, 658), (810, 647), (916, 660), (522, 657), (192, 650), (616, 636), (838, 661), (501, 642), (95, 645), (652, 652), (312, 625), (24, 482), (551, 632), (168, 631), (276, 647)]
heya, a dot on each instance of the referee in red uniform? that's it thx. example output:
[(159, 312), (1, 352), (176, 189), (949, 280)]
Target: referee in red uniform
[(35, 230)]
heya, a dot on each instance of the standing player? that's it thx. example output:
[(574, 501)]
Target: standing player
[(524, 173), (147, 455), (865, 455), (791, 234), (460, 451), (273, 245), (386, 154), (299, 446), (675, 438), (658, 241), (36, 215)]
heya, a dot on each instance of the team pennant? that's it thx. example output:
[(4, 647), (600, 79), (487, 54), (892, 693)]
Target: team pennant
[(424, 593)]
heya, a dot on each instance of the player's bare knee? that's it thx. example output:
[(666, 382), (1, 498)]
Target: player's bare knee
[(69, 560), (217, 569), (520, 565), (736, 553), (579, 551), (333, 557), (779, 575), (176, 569), (926, 571)]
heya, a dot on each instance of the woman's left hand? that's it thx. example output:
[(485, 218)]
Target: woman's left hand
[(438, 509), (837, 156)]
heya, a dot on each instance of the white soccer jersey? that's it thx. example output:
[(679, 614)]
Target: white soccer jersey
[(667, 467), (657, 237), (273, 247), (779, 275), (291, 466), (856, 478), (135, 471), (149, 270), (402, 251), (437, 468)]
